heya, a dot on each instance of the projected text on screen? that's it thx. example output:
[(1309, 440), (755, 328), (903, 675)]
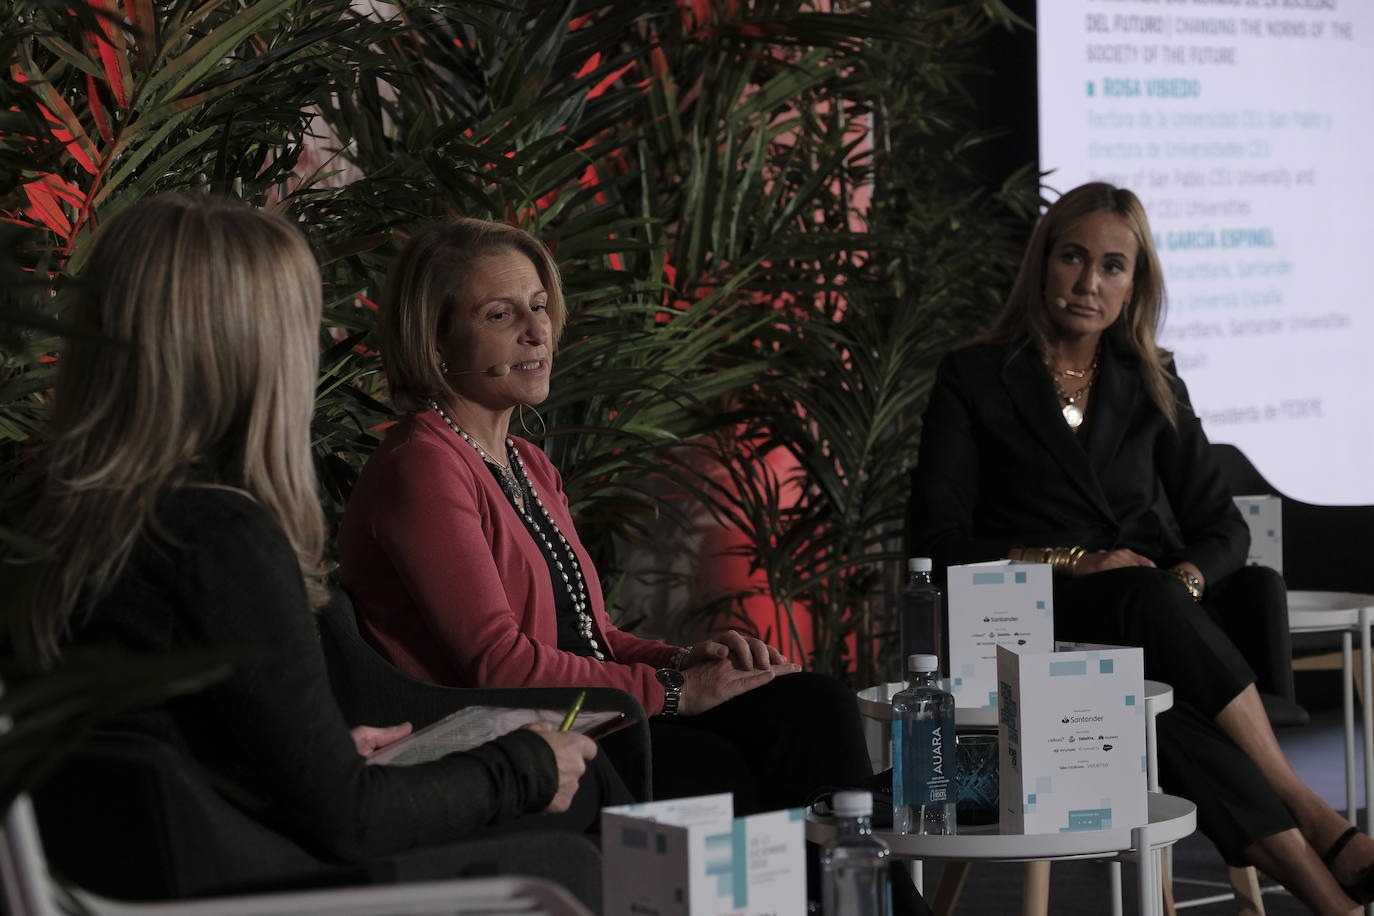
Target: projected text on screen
[(1246, 127)]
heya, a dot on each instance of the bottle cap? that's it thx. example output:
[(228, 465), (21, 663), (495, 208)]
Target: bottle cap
[(918, 564), (852, 804), (923, 663)]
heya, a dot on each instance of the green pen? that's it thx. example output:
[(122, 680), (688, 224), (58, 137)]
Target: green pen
[(573, 710)]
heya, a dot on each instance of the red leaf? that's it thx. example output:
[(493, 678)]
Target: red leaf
[(109, 57), (44, 208), (64, 189), (145, 34), (589, 65), (102, 120), (605, 84)]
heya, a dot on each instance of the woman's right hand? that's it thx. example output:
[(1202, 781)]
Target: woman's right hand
[(571, 750), (708, 684), (1103, 560)]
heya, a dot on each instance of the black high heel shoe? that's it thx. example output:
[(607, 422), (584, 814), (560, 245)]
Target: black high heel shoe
[(1362, 891)]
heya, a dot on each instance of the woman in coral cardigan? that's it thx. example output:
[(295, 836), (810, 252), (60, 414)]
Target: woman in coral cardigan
[(462, 557)]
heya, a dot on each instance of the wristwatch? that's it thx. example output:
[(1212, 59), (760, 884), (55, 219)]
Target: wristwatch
[(1191, 582), (672, 681)]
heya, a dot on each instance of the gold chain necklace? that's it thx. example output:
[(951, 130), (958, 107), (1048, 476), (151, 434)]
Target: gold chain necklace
[(1072, 409)]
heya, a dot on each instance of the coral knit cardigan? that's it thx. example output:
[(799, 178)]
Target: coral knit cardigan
[(449, 583)]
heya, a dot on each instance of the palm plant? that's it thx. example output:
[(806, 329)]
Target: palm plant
[(107, 104), (853, 366), (705, 172)]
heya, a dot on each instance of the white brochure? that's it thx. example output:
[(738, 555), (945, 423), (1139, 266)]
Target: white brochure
[(693, 856), (1071, 726), (991, 605)]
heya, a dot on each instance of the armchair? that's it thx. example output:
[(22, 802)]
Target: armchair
[(26, 889), (372, 691), (130, 816)]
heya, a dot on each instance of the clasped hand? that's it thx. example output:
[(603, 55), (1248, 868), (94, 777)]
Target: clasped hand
[(745, 652), (716, 670), (1103, 560)]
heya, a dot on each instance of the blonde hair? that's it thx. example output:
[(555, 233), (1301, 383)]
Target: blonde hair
[(1026, 315), (421, 296), (203, 362)]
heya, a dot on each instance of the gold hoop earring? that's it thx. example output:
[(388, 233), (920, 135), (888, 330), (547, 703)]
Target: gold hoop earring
[(543, 429)]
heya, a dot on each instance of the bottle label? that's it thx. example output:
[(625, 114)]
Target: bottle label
[(923, 773)]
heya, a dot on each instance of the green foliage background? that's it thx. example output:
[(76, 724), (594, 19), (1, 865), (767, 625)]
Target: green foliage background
[(764, 212)]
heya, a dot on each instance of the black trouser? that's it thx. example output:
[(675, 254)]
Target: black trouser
[(773, 747), (1185, 648)]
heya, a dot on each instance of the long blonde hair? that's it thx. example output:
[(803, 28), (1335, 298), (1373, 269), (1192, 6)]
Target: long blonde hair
[(421, 295), (202, 364), (1026, 315)]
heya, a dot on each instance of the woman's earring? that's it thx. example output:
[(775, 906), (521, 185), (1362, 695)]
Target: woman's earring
[(543, 430), (443, 366)]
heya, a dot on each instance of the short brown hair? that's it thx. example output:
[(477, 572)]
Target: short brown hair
[(420, 298)]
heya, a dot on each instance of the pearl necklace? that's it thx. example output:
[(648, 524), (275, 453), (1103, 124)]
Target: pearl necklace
[(574, 583), (510, 485)]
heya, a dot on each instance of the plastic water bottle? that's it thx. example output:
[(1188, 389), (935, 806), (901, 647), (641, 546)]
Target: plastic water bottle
[(920, 611), (854, 869), (924, 787)]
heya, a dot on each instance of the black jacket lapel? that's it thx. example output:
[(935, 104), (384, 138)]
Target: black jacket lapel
[(1031, 391), (1117, 395)]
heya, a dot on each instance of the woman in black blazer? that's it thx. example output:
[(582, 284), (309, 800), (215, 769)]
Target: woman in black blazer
[(1064, 437)]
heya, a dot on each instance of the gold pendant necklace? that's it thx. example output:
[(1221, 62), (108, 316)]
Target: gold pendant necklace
[(1073, 413)]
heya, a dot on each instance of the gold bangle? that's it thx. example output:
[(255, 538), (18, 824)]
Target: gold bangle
[(1062, 559)]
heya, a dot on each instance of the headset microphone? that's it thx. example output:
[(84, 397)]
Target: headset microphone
[(499, 370), (1061, 302)]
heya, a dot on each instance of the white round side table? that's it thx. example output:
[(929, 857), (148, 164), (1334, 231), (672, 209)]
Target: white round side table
[(1171, 819), (1346, 613)]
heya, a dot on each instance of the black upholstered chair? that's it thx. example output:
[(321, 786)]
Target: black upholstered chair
[(372, 691), (130, 816), (1325, 548)]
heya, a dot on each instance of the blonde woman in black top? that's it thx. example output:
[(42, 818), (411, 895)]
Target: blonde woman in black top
[(178, 508)]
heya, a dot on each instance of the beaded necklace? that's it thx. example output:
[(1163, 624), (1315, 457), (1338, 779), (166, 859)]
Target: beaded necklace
[(574, 583)]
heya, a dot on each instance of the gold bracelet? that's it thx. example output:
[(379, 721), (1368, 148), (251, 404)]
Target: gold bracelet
[(1059, 559)]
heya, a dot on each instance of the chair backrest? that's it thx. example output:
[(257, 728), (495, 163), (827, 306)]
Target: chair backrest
[(27, 889), (1324, 547), (23, 869), (130, 816)]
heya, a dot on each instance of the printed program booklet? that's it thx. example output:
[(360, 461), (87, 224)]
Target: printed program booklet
[(474, 725)]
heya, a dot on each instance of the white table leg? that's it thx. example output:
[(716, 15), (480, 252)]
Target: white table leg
[(1148, 890), (1348, 707), (1114, 883), (1151, 755)]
